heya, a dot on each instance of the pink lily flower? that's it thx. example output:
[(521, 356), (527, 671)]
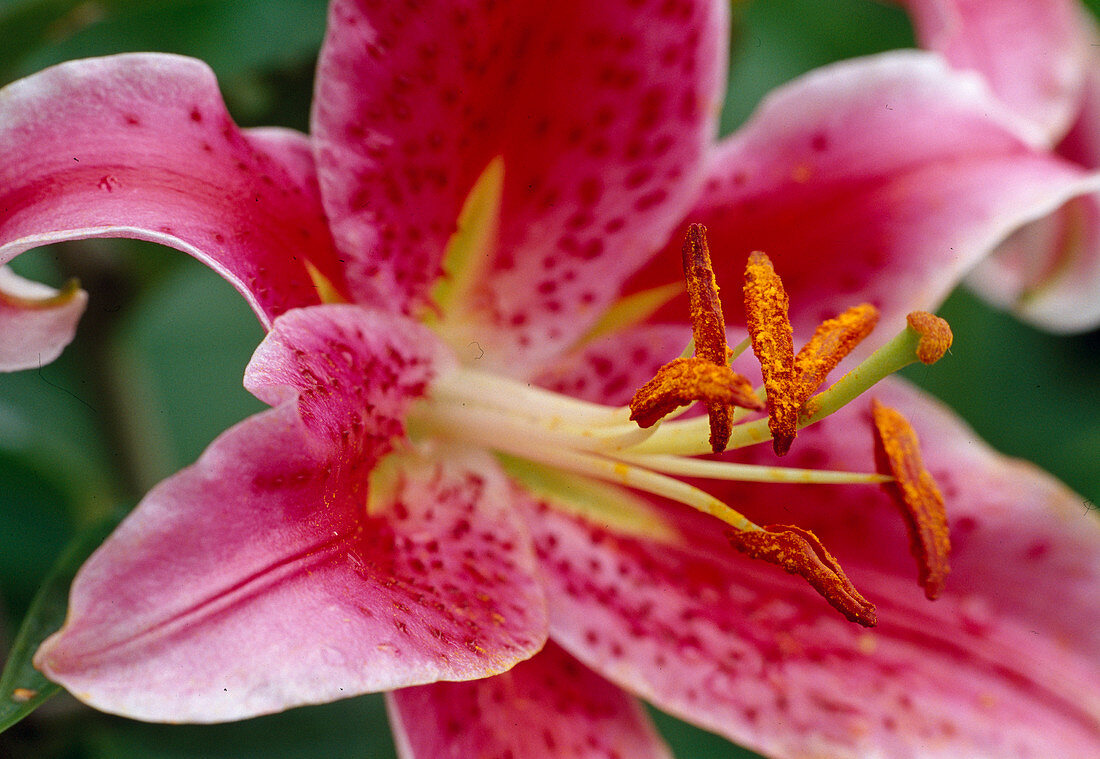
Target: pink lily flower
[(440, 511), (1040, 59)]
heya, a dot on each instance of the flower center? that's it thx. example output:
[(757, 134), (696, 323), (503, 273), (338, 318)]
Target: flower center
[(645, 446)]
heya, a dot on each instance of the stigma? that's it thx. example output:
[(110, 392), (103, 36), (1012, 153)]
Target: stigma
[(647, 447)]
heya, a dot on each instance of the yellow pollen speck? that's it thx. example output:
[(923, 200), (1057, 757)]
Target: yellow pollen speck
[(802, 173), (23, 695), (987, 700), (867, 643)]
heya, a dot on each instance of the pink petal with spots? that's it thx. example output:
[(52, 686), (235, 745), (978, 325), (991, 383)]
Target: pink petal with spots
[(1005, 663), (351, 371), (1049, 272), (257, 579), (609, 369), (1033, 53), (36, 322), (550, 706), (602, 113), (141, 146), (883, 180)]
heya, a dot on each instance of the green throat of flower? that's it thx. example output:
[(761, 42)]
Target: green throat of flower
[(552, 442)]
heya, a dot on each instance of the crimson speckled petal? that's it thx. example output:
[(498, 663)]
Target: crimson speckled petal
[(602, 113), (1033, 53), (549, 707), (141, 146), (883, 180), (1048, 273), (258, 579), (1003, 664)]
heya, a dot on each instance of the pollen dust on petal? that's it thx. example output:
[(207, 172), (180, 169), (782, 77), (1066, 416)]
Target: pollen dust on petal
[(897, 453), (766, 316)]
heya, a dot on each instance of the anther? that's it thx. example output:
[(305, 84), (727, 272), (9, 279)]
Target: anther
[(935, 335), (831, 342), (706, 376), (769, 326), (897, 453), (686, 380), (800, 552)]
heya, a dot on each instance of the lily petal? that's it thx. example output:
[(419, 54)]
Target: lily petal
[(36, 322), (1048, 273), (1033, 53), (1004, 663), (881, 180), (550, 707), (141, 146), (602, 149), (272, 573)]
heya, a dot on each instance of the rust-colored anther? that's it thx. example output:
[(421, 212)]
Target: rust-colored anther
[(708, 325), (897, 453), (935, 335), (800, 552), (766, 306), (831, 342), (686, 380)]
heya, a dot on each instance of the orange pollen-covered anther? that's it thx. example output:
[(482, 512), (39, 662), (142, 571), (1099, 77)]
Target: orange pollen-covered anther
[(935, 335), (897, 453), (706, 376), (766, 316), (708, 325), (800, 552), (686, 380), (831, 342)]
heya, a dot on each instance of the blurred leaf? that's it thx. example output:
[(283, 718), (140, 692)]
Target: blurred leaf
[(689, 741), (27, 26), (23, 688), (775, 41), (36, 527), (355, 728), (48, 426), (184, 346), (234, 36)]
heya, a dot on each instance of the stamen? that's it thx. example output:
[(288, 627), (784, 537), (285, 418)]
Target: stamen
[(832, 341), (903, 349), (800, 552), (897, 452), (730, 471), (708, 325), (568, 435), (766, 316), (684, 438), (706, 376), (683, 381), (935, 335)]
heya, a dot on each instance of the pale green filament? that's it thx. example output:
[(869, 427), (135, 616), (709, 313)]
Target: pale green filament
[(544, 428)]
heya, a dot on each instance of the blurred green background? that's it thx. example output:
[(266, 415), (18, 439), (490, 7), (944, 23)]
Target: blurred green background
[(155, 372)]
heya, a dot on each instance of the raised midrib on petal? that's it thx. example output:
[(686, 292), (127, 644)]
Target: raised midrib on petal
[(232, 595)]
